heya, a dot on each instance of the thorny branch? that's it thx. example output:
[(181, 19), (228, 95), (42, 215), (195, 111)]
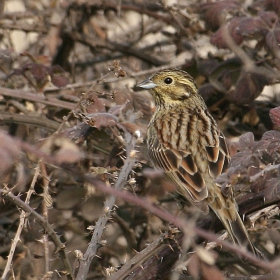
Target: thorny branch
[(96, 239), (22, 221), (47, 227)]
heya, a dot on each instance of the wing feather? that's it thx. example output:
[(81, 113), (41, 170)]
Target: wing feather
[(181, 159)]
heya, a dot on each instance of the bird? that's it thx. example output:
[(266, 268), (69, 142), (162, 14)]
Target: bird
[(185, 141)]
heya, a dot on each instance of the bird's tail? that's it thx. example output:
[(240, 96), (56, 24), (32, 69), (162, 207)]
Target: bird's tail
[(236, 229), (226, 210)]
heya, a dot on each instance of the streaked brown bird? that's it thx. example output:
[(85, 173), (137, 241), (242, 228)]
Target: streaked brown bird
[(185, 141)]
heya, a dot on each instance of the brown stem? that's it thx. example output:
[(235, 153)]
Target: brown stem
[(47, 227), (22, 220), (20, 94), (29, 119)]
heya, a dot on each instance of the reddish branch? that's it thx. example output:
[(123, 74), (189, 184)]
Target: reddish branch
[(183, 225)]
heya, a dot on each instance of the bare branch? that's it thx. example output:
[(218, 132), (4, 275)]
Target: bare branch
[(41, 220), (100, 225)]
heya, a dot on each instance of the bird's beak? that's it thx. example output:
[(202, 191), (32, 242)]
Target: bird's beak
[(147, 84)]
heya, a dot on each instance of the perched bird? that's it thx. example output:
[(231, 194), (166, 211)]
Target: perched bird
[(185, 141)]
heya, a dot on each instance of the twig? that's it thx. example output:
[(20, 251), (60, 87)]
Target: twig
[(46, 253), (28, 119), (17, 104), (22, 220), (95, 242), (25, 14), (35, 98), (248, 63), (114, 79), (112, 46), (23, 27), (139, 259), (47, 202), (65, 119), (47, 227), (255, 177), (147, 9), (253, 277), (129, 234)]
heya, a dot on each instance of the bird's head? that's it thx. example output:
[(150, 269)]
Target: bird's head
[(170, 87)]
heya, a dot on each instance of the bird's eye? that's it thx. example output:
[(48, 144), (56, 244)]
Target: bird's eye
[(168, 80)]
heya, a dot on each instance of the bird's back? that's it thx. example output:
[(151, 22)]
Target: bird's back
[(188, 148)]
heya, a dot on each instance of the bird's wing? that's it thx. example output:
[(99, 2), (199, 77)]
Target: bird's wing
[(218, 157), (180, 168), (185, 164)]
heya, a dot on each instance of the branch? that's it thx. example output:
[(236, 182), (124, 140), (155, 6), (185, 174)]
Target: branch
[(24, 27), (147, 9), (273, 167), (29, 119), (95, 242), (47, 227), (112, 46), (254, 277), (20, 94), (248, 64), (164, 248), (22, 220)]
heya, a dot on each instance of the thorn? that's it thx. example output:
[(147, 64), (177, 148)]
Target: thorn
[(132, 264), (91, 228), (103, 242), (106, 210), (122, 158), (170, 247)]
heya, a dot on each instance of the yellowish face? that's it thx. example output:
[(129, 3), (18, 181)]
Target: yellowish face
[(169, 86)]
